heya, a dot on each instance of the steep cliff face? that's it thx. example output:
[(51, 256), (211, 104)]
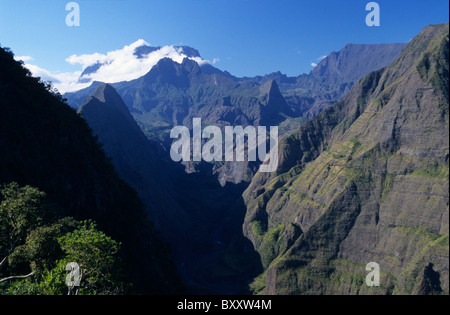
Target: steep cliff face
[(365, 181)]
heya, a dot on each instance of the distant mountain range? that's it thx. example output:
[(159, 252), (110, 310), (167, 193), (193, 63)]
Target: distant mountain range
[(141, 52), (333, 77), (173, 94), (307, 95)]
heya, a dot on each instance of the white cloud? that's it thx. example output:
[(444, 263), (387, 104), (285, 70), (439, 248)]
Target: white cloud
[(116, 66), (64, 82), (315, 64), (23, 58)]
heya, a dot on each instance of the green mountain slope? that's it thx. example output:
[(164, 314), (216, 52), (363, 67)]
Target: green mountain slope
[(365, 181)]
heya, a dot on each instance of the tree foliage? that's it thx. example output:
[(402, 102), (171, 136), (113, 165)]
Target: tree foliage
[(31, 239), (96, 254), (22, 210)]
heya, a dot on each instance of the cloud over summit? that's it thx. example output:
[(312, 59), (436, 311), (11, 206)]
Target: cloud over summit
[(115, 66)]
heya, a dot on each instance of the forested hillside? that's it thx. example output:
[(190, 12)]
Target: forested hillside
[(47, 147)]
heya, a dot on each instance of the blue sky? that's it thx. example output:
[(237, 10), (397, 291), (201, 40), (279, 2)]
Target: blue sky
[(247, 37)]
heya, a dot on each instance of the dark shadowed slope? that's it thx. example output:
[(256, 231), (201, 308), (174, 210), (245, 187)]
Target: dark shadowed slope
[(136, 159), (45, 144)]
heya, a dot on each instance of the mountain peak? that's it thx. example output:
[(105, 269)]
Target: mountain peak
[(105, 97), (172, 72), (274, 103), (145, 49), (99, 67), (188, 51), (270, 88), (351, 62), (104, 92), (272, 92)]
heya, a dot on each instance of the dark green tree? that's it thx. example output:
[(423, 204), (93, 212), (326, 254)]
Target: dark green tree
[(96, 254), (101, 269), (36, 247), (22, 210)]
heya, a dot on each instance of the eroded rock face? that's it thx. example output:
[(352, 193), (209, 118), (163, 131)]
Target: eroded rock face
[(365, 181)]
